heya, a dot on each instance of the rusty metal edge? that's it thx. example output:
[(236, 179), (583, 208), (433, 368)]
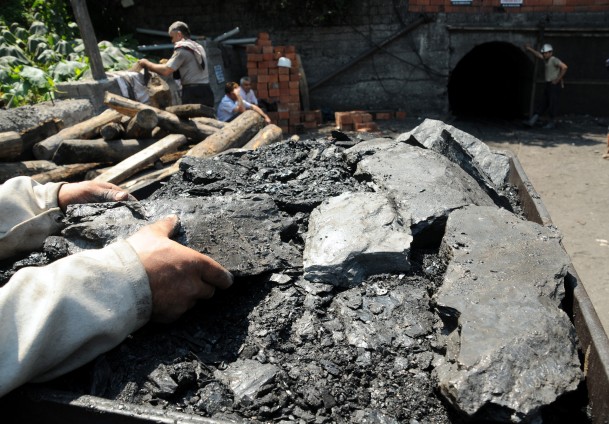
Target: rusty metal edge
[(32, 404), (592, 337)]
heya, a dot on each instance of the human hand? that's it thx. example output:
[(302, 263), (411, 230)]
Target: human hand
[(178, 275), (90, 192)]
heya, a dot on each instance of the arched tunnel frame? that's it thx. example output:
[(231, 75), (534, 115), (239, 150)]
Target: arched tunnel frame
[(494, 79)]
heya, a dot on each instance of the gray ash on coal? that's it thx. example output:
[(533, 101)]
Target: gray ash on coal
[(347, 344)]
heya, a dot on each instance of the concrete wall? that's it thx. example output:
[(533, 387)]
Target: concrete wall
[(413, 71)]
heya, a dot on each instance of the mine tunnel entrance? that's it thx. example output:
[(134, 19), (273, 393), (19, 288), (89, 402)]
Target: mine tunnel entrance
[(493, 80)]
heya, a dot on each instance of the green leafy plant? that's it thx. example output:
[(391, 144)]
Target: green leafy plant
[(41, 48)]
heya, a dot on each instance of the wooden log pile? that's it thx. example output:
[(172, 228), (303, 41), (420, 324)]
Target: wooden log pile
[(130, 144)]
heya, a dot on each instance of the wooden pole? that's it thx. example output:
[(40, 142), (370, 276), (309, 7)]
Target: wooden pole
[(166, 120), (99, 150), (235, 134), (267, 135), (64, 172), (86, 129), (81, 13), (135, 163), (27, 168)]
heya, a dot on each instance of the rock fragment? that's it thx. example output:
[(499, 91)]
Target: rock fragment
[(246, 377), (424, 184), (510, 349), (353, 236), (243, 233), (462, 148)]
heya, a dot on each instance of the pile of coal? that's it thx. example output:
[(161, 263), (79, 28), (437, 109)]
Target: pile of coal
[(394, 281)]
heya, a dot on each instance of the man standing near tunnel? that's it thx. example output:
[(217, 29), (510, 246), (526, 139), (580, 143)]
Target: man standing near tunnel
[(555, 70)]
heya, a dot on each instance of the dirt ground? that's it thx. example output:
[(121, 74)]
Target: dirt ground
[(566, 167)]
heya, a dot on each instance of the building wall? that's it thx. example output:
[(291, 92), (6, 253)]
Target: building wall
[(411, 72)]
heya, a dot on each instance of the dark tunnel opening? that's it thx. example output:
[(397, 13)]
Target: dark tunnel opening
[(493, 80)]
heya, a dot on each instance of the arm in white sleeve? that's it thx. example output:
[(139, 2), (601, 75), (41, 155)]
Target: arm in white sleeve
[(29, 213), (59, 317)]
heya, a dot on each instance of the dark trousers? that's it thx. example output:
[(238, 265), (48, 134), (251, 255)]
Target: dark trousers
[(549, 101), (197, 94)]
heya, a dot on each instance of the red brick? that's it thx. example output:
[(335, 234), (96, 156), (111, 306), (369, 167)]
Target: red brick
[(400, 115), (366, 117), (263, 94), (283, 77), (267, 57), (383, 116), (294, 84), (343, 118), (264, 43), (264, 78), (251, 48), (366, 127), (263, 36)]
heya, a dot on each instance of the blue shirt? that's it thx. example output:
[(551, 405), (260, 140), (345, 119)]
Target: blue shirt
[(226, 108)]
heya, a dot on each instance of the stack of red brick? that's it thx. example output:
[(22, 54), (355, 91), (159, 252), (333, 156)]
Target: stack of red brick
[(278, 84), (359, 120)]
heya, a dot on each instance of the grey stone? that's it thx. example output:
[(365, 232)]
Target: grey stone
[(510, 349), (242, 233), (464, 149), (353, 236), (389, 319), (161, 378), (424, 184), (246, 377)]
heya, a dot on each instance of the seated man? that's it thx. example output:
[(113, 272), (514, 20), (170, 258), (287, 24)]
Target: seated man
[(232, 104), (246, 92)]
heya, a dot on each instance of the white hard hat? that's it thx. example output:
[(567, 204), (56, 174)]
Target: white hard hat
[(284, 62), (546, 48)]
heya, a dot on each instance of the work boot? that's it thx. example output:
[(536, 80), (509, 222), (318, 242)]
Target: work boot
[(531, 122)]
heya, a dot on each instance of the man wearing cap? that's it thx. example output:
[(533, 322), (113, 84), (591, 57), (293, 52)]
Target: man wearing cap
[(555, 70), (190, 61)]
